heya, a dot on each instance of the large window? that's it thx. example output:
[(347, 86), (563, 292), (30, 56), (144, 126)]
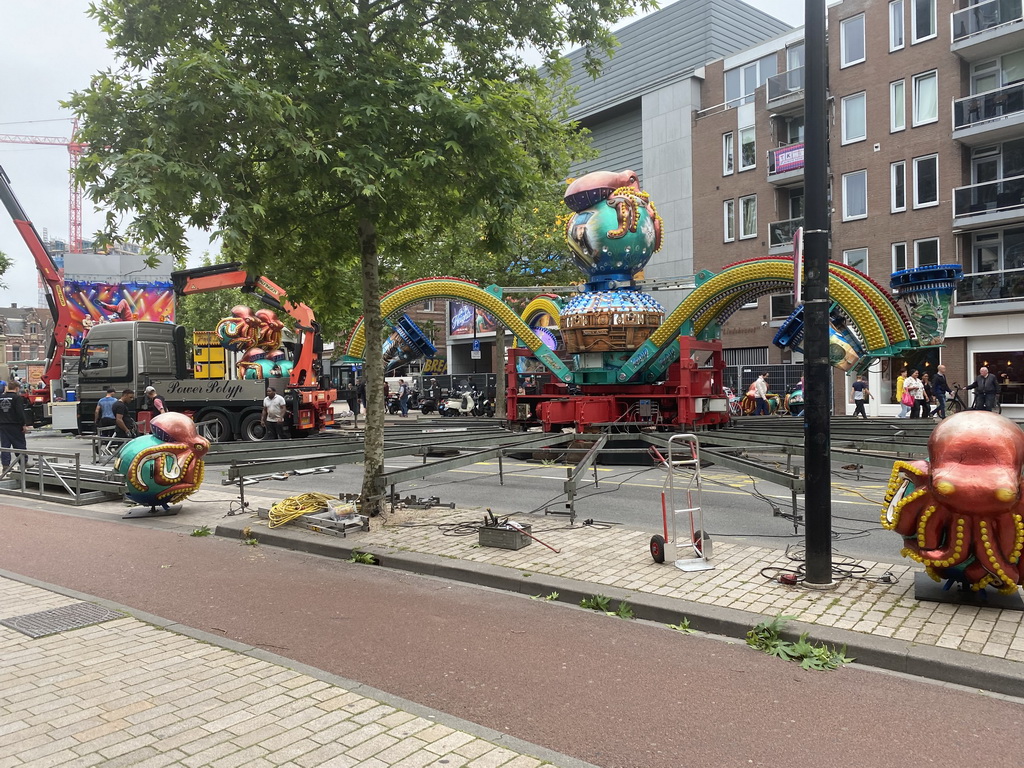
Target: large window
[(855, 195), (851, 37), (926, 98), (922, 20), (781, 306), (748, 217), (897, 106), (748, 148), (728, 154), (855, 126), (741, 82), (926, 252), (856, 258), (898, 187), (896, 25), (926, 181), (899, 257), (729, 220)]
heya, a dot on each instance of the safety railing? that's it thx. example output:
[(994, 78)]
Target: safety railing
[(979, 108), (983, 16), (988, 197), (1006, 285)]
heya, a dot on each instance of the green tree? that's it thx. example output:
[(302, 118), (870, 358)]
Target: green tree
[(5, 264), (316, 137)]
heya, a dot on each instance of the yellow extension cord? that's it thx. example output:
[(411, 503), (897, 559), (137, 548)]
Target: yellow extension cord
[(293, 507)]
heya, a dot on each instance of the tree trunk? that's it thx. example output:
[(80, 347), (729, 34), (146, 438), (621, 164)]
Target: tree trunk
[(499, 380), (371, 497)]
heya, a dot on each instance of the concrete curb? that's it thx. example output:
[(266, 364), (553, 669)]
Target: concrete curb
[(942, 665)]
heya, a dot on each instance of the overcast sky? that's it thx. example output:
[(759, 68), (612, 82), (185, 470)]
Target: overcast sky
[(51, 48)]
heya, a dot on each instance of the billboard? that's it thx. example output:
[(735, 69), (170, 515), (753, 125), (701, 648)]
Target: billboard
[(465, 316), (92, 303)]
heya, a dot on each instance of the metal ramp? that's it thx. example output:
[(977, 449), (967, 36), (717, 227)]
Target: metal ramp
[(61, 477)]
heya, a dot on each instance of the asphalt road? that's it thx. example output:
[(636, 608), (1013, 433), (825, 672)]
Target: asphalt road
[(612, 692)]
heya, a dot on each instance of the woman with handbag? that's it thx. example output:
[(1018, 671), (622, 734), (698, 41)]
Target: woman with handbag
[(914, 387), (902, 397)]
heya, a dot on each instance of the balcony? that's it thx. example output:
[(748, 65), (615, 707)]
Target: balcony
[(990, 117), (785, 92), (986, 30), (780, 235), (988, 204), (980, 291), (786, 166)]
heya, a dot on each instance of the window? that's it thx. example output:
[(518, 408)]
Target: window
[(926, 252), (855, 195), (728, 153), (793, 130), (898, 187), (97, 355), (741, 82), (781, 306), (899, 257), (856, 258), (922, 20), (855, 126), (748, 217), (897, 106), (851, 40), (748, 148), (895, 25), (428, 305), (729, 220), (16, 352), (926, 98), (926, 181)]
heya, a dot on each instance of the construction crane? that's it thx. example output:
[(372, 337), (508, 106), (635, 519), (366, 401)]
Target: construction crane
[(75, 150)]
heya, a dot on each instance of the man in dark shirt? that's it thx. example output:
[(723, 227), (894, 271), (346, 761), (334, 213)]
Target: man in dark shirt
[(123, 418), (985, 387), (13, 424), (940, 388)]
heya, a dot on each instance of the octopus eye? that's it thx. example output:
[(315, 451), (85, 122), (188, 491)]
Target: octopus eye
[(1006, 494), (945, 487)]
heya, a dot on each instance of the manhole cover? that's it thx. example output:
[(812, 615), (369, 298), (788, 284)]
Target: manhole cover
[(60, 619)]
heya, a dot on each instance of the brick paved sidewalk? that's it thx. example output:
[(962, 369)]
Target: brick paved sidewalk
[(130, 693)]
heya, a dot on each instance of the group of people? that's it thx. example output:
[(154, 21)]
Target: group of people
[(917, 393), (114, 415)]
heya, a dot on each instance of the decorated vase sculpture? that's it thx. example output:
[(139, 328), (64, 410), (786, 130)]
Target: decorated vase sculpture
[(166, 466), (960, 512), (240, 331)]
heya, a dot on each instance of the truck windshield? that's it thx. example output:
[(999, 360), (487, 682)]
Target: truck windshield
[(96, 356)]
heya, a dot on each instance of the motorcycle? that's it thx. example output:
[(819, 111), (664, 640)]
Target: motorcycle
[(483, 406)]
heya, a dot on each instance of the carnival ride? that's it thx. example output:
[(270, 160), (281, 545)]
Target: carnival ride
[(622, 361)]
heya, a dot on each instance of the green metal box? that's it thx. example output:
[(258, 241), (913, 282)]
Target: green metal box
[(504, 537)]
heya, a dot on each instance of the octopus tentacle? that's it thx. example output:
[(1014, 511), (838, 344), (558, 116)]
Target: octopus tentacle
[(958, 545), (993, 558)]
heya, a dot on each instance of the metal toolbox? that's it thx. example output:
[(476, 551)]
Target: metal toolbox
[(504, 537)]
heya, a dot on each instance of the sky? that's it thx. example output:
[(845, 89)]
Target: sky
[(51, 48)]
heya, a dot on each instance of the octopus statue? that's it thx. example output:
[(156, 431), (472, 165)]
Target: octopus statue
[(271, 329), (165, 466), (240, 331), (960, 513), (254, 364)]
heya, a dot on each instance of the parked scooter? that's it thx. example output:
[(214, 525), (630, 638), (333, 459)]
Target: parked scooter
[(482, 406), (451, 405)]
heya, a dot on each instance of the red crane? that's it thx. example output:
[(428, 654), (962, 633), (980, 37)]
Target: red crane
[(75, 149)]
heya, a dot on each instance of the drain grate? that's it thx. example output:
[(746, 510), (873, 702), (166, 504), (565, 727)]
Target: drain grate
[(60, 619)]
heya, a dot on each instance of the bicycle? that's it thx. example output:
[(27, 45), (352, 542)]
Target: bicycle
[(956, 404)]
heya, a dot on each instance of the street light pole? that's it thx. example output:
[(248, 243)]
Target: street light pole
[(817, 369)]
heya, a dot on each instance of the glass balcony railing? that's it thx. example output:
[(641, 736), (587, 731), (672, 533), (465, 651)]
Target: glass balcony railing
[(991, 286), (780, 233), (989, 197), (785, 83), (978, 18), (990, 105), (785, 159)]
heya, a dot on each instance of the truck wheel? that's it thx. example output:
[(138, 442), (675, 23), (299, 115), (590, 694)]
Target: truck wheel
[(218, 429), (252, 430)]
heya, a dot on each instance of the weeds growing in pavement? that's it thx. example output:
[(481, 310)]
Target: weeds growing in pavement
[(766, 637)]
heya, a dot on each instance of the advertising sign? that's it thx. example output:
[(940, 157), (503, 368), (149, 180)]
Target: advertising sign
[(789, 158), (92, 303)]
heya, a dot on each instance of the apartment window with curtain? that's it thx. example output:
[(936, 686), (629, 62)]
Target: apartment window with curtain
[(898, 187), (897, 106), (896, 40), (855, 125), (729, 220), (748, 217), (926, 181), (851, 41), (926, 98), (855, 195), (728, 154), (748, 148), (922, 20)]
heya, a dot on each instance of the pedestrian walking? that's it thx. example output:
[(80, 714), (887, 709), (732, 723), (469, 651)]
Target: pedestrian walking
[(914, 387), (940, 388), (986, 388), (13, 423), (905, 402), (761, 395), (353, 403), (272, 418), (861, 395), (403, 397)]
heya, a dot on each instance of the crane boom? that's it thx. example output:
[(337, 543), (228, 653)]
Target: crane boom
[(55, 296)]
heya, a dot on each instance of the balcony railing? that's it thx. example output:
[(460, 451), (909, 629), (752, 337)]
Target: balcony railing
[(989, 197), (991, 286), (990, 105), (785, 84), (785, 159), (978, 18), (780, 233)]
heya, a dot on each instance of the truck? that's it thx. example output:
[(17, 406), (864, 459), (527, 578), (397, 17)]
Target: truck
[(136, 354)]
